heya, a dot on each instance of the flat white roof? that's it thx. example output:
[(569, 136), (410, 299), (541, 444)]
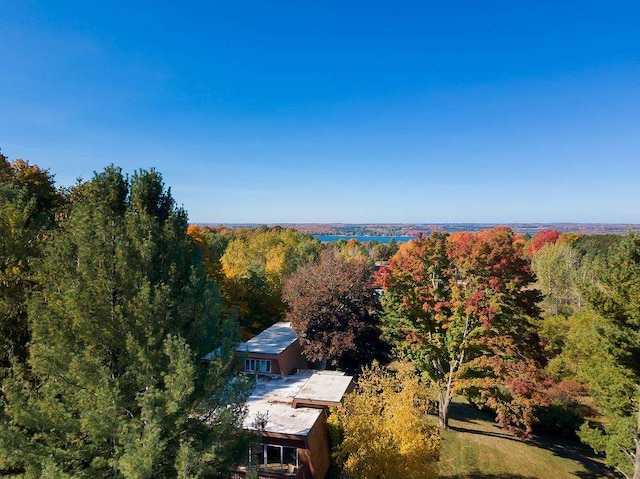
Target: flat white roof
[(324, 386), (272, 340), (272, 397)]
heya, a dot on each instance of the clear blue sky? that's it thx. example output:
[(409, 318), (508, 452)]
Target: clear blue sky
[(341, 111)]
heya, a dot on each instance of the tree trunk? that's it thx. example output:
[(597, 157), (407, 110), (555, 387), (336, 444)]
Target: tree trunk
[(444, 399), (443, 411)]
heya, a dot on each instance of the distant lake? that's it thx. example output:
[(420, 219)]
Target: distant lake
[(363, 239)]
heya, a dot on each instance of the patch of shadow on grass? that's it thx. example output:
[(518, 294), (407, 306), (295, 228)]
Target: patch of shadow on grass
[(479, 432), (565, 448), (571, 449), (576, 451), (479, 422), (465, 412)]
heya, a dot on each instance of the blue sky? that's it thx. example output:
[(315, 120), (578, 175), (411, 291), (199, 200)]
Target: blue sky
[(272, 111)]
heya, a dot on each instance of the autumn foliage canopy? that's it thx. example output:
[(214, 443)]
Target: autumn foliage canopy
[(333, 309), (460, 307)]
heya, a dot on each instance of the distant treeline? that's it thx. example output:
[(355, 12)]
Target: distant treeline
[(414, 229)]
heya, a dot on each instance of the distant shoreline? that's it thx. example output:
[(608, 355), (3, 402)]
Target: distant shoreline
[(362, 238), (409, 230)]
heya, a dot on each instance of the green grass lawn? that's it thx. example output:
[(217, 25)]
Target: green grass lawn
[(475, 447)]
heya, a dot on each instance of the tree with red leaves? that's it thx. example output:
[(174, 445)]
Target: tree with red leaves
[(541, 239), (334, 310), (460, 307)]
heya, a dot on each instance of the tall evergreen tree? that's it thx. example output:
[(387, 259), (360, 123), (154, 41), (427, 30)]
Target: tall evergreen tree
[(615, 295), (113, 387)]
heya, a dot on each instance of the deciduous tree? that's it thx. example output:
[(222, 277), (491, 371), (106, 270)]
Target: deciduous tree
[(255, 263), (556, 267), (213, 244), (333, 308), (383, 427), (540, 239), (28, 200), (452, 302)]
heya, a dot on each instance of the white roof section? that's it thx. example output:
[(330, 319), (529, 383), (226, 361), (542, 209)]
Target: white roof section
[(211, 355), (272, 340), (324, 386), (272, 397)]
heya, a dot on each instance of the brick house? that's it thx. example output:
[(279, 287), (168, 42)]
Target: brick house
[(276, 350), (292, 407)]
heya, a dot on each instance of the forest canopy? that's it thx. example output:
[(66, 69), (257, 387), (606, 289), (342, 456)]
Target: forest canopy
[(105, 379), (109, 299)]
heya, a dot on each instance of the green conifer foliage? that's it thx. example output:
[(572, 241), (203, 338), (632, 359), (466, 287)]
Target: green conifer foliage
[(113, 386), (615, 295)]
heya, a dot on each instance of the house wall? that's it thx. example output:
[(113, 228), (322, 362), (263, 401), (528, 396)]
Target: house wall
[(316, 457), (285, 362), (283, 440), (275, 366), (291, 358)]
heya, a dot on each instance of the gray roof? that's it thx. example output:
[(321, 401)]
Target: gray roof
[(273, 399), (209, 356), (272, 340), (324, 386)]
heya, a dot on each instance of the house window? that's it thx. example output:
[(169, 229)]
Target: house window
[(257, 365), (274, 458)]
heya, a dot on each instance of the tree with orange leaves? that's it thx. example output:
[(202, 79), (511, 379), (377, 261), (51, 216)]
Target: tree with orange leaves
[(250, 265), (460, 307), (212, 244), (540, 240)]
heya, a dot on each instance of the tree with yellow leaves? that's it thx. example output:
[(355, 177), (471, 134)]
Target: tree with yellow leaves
[(383, 429), (250, 264)]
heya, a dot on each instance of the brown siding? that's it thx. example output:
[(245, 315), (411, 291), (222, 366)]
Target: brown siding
[(317, 456), (313, 452), (291, 358), (284, 363)]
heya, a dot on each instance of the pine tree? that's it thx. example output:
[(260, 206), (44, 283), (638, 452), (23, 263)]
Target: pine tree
[(113, 385), (615, 295)]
